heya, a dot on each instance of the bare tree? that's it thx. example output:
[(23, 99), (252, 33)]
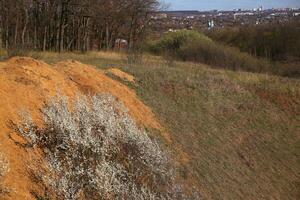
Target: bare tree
[(72, 25)]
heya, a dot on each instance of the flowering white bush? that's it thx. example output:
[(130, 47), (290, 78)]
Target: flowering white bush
[(94, 150)]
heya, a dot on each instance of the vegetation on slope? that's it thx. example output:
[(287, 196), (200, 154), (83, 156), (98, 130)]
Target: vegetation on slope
[(96, 151), (277, 42), (196, 47), (239, 130), (27, 83)]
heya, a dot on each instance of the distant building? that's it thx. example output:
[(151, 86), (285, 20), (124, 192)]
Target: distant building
[(172, 30), (242, 14), (211, 24), (203, 20), (159, 16), (121, 44), (296, 14), (190, 17)]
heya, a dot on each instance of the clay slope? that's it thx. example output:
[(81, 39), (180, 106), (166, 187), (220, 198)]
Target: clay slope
[(26, 83)]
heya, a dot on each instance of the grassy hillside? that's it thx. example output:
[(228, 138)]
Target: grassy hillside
[(239, 130), (196, 47)]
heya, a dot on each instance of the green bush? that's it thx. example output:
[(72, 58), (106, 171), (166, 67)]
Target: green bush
[(175, 40), (196, 47)]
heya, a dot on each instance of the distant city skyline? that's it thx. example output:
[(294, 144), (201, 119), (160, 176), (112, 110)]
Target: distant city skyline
[(229, 4)]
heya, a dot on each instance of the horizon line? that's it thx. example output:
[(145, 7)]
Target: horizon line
[(234, 9), (264, 8)]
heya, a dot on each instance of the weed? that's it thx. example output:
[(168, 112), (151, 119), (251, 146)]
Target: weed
[(4, 168)]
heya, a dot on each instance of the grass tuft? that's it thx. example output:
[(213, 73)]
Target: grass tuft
[(4, 168)]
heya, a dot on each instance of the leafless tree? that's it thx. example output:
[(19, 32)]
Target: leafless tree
[(73, 25)]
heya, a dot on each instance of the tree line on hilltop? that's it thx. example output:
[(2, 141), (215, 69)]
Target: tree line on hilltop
[(72, 25), (275, 42)]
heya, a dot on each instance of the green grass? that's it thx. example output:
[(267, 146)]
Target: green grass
[(238, 129)]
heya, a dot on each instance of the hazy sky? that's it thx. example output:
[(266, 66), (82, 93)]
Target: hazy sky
[(229, 4)]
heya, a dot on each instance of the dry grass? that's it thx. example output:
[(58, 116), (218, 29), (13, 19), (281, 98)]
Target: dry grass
[(3, 53), (4, 168), (239, 130), (120, 74)]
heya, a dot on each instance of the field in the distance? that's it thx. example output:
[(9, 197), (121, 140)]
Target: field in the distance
[(240, 131)]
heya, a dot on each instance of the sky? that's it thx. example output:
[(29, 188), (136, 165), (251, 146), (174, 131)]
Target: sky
[(229, 4)]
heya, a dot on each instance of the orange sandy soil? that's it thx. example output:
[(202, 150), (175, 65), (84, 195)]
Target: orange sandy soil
[(25, 84), (122, 75)]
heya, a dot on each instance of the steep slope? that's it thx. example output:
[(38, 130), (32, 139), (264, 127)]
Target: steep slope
[(26, 84), (240, 130)]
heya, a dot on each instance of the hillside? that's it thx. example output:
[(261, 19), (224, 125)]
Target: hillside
[(26, 84), (237, 132)]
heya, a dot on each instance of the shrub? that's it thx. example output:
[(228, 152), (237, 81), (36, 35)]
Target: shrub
[(94, 150), (221, 56), (171, 43), (196, 47)]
